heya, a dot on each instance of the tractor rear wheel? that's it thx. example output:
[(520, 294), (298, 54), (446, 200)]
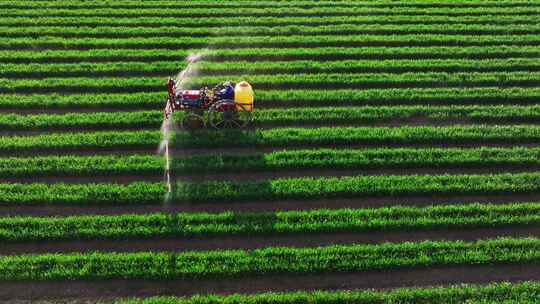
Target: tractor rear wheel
[(226, 114)]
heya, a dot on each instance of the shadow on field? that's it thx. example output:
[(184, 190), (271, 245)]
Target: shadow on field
[(197, 157)]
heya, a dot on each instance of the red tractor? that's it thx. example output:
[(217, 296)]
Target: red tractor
[(226, 105)]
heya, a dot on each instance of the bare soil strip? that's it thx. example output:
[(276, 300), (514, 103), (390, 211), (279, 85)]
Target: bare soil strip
[(259, 206), (379, 279), (254, 242)]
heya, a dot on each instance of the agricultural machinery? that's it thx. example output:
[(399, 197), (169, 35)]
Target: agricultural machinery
[(226, 105)]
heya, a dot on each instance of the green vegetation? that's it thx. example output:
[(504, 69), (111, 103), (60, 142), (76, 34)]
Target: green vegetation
[(363, 159), (222, 224), (358, 186), (266, 67), (70, 165), (388, 88), (279, 81), (271, 190), (524, 292), (242, 263), (216, 21), (292, 41), (275, 11), (74, 121), (287, 137), (288, 98), (274, 54), (80, 141), (85, 194), (338, 29)]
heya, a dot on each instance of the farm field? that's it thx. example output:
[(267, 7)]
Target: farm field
[(394, 153)]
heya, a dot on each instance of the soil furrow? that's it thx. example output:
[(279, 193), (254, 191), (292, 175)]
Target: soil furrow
[(266, 206), (262, 241), (379, 279)]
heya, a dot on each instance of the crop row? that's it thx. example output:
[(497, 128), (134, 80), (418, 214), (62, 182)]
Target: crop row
[(293, 41), (272, 11), (289, 98), (523, 292), (408, 96), (255, 4), (80, 141), (270, 190), (281, 137), (375, 80), (87, 69), (70, 165), (341, 29), (75, 121), (357, 186), (84, 101), (158, 225), (280, 160), (363, 159), (272, 54), (286, 137), (220, 22), (280, 117), (384, 114), (242, 263), (277, 81)]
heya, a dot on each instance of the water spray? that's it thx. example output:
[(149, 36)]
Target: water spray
[(167, 126)]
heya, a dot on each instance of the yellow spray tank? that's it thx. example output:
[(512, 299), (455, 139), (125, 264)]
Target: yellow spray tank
[(243, 95)]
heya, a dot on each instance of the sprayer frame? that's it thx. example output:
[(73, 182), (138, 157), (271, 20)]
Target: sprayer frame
[(232, 114)]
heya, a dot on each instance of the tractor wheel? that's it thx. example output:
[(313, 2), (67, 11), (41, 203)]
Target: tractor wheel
[(226, 115), (192, 121)]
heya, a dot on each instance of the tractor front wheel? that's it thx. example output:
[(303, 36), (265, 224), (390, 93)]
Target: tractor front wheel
[(227, 114)]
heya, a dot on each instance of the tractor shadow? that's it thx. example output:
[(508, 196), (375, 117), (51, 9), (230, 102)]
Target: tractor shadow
[(203, 164)]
